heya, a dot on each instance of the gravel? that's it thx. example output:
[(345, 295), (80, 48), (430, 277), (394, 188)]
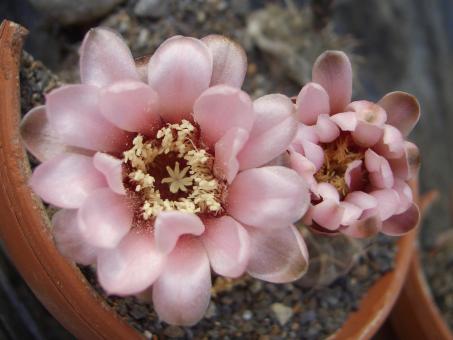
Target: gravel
[(253, 309)]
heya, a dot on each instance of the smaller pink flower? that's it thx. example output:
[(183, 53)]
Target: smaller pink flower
[(354, 154), (161, 172)]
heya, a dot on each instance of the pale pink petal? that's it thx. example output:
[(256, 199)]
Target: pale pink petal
[(303, 167), (306, 133), (380, 172), (403, 110), (73, 112), (365, 227), (368, 112), (362, 200), (66, 180), (326, 129), (307, 219), (105, 58), (131, 105), (181, 294), (314, 153), (351, 213), (346, 121), (332, 70), (366, 134), (388, 202), (402, 223), (141, 63), (105, 218), (179, 71), (405, 194), (68, 239), (407, 166), (39, 138), (228, 246), (328, 192), (277, 256), (391, 144), (271, 196), (272, 132), (171, 225), (229, 60), (328, 214), (226, 164), (311, 102), (112, 169), (131, 267), (353, 175), (221, 108)]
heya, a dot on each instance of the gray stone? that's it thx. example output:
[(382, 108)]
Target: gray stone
[(70, 12), (151, 8)]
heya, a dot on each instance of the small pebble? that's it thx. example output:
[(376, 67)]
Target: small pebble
[(174, 332), (282, 312)]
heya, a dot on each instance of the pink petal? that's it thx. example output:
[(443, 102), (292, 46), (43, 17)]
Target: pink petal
[(326, 129), (303, 167), (39, 137), (366, 227), (403, 110), (366, 134), (141, 63), (73, 112), (332, 70), (131, 267), (221, 108), (131, 105), (228, 246), (314, 153), (351, 213), (270, 196), (368, 112), (112, 169), (362, 200), (226, 164), (272, 132), (229, 60), (105, 218), (171, 225), (311, 102), (407, 166), (405, 194), (181, 294), (388, 202), (354, 175), (380, 172), (392, 143), (179, 71), (402, 223), (68, 239), (328, 214), (328, 192), (277, 256), (346, 121), (105, 58), (66, 180), (306, 133)]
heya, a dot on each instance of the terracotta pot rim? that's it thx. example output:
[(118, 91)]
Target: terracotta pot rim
[(24, 228)]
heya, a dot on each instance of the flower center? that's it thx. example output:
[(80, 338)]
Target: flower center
[(173, 171), (337, 156)]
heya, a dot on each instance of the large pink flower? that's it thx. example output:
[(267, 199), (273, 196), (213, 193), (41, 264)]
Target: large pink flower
[(354, 154), (158, 172)]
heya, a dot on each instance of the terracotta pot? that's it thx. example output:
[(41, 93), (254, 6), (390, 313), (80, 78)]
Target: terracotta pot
[(24, 229), (416, 315)]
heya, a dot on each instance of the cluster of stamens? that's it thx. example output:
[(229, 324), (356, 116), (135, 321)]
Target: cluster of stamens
[(337, 156), (173, 172)]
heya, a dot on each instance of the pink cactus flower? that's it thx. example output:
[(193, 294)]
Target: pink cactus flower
[(159, 171), (354, 154)]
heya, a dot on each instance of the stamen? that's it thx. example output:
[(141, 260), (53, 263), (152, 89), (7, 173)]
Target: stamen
[(154, 173)]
